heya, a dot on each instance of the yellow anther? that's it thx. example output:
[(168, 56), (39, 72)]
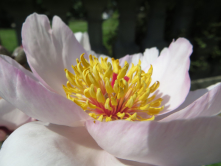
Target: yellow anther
[(154, 111), (115, 65), (146, 107), (120, 93), (79, 83), (156, 103), (108, 119), (92, 62), (100, 69), (116, 86), (113, 101), (145, 95), (93, 115), (144, 86), (100, 96), (121, 115), (123, 71), (151, 98), (130, 102), (139, 77), (100, 118), (125, 83), (67, 90), (77, 60), (131, 71), (121, 84), (90, 105), (80, 68), (139, 63), (85, 72), (84, 61), (104, 63), (154, 86), (95, 58), (134, 80), (69, 85), (135, 96), (93, 80), (69, 97), (132, 117), (148, 81), (96, 74), (107, 105), (87, 93), (70, 77), (109, 71), (81, 104), (150, 71), (108, 86), (76, 71), (86, 77), (71, 90), (78, 96), (92, 91)]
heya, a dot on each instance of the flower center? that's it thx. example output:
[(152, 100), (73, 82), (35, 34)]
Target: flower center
[(108, 92)]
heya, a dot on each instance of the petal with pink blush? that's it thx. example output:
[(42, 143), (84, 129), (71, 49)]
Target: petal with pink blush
[(31, 97), (181, 142), (207, 104), (50, 50), (37, 144), (171, 70), (194, 95), (11, 117)]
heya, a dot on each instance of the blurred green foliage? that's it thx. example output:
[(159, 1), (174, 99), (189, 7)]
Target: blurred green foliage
[(78, 25), (8, 39), (217, 164)]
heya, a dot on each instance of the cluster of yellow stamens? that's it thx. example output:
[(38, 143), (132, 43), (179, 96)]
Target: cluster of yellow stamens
[(108, 92)]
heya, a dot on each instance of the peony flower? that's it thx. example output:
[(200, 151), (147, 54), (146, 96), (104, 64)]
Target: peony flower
[(104, 113)]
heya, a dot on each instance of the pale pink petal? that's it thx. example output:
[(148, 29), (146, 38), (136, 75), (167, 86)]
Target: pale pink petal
[(208, 104), (181, 142), (50, 50), (78, 36), (131, 59), (171, 70), (37, 144), (31, 97), (125, 58), (150, 55), (135, 58), (11, 117), (194, 95), (83, 39), (191, 97)]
